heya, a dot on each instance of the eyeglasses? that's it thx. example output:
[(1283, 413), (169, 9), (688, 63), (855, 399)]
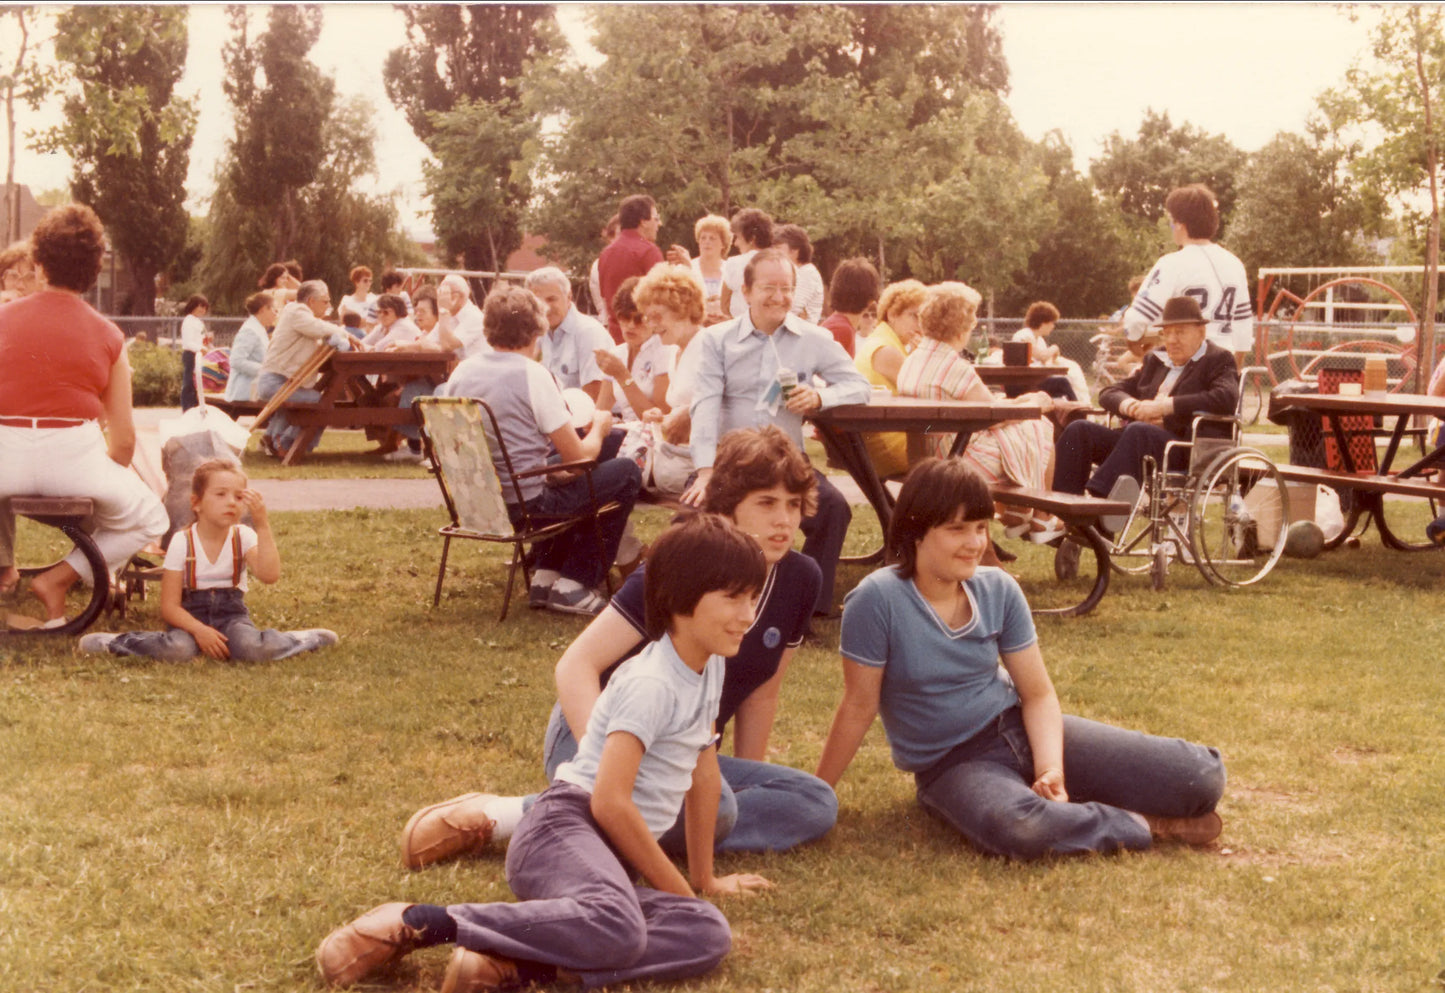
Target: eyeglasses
[(773, 289)]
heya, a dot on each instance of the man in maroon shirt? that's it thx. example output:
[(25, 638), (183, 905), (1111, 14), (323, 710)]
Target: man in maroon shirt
[(632, 254)]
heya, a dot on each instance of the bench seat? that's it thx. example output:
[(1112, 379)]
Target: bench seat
[(1071, 508), (1365, 483)]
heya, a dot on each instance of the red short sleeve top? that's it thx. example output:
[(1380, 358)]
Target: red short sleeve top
[(56, 354)]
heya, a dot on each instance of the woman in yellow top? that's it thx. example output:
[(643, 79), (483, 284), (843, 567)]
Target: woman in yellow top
[(880, 355)]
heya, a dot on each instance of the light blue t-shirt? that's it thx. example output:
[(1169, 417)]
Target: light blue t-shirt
[(658, 699), (940, 686)]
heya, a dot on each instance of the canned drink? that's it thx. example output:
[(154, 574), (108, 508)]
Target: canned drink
[(788, 381)]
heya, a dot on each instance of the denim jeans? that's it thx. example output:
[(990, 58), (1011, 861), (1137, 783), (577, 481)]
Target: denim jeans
[(283, 433), (574, 552), (580, 910), (823, 537), (983, 788), (225, 610), (763, 807)]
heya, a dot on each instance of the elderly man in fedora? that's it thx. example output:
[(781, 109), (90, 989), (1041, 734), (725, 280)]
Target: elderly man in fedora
[(1158, 403)]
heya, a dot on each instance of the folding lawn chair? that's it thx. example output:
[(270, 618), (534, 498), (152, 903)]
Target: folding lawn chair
[(458, 432)]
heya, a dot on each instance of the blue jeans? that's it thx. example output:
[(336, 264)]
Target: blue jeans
[(983, 788), (763, 807), (823, 537), (189, 398), (580, 910), (283, 433), (574, 553), (225, 610)]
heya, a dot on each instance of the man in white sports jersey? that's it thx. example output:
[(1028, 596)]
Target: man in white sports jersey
[(1200, 269)]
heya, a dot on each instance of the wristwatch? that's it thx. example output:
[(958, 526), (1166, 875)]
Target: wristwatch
[(626, 382)]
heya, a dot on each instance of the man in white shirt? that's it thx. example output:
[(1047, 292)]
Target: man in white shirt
[(569, 347), (461, 328)]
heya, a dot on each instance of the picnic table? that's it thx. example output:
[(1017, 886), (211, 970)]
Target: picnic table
[(842, 431), (349, 399), (1022, 378), (1368, 485)]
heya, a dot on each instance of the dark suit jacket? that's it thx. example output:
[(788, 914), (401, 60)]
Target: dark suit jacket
[(1208, 385)]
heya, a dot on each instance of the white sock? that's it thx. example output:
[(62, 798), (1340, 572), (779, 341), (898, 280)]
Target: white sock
[(565, 585), (507, 812), (545, 577)]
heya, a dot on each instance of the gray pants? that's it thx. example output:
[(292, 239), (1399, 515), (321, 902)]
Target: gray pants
[(580, 909)]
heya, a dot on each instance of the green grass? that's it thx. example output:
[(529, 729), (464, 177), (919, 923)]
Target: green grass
[(339, 455), (200, 827)]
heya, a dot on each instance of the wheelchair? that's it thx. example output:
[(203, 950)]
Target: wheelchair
[(1212, 502)]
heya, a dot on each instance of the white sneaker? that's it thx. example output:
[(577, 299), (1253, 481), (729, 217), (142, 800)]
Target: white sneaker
[(402, 454), (95, 643)]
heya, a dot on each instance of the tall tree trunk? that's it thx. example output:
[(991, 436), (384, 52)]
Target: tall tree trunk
[(12, 192), (137, 296), (1426, 350)]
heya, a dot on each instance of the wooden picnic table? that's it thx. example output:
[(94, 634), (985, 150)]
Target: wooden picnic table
[(1020, 377), (843, 429), (350, 400), (1368, 487)]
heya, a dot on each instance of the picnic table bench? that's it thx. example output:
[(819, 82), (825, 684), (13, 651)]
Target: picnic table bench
[(70, 516), (1368, 486)]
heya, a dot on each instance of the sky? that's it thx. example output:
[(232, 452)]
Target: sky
[(1087, 70)]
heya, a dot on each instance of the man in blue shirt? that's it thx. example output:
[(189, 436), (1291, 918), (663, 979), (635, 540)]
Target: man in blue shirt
[(738, 386)]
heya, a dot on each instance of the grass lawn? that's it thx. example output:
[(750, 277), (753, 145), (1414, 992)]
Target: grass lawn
[(200, 827)]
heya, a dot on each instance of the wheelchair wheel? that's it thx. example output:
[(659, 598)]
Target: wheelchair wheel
[(1130, 554), (1223, 535), (1159, 567)]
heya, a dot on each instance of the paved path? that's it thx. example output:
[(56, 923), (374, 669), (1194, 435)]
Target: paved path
[(419, 494)]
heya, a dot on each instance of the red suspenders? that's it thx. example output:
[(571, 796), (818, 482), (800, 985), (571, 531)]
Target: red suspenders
[(188, 574)]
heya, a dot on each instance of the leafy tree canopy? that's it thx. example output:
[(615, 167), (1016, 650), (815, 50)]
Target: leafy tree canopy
[(1138, 173), (127, 135)]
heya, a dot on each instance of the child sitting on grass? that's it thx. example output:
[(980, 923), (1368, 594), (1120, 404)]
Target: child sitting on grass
[(649, 745), (203, 583)]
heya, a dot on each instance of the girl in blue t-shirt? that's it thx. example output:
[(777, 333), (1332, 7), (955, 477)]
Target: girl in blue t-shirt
[(944, 650)]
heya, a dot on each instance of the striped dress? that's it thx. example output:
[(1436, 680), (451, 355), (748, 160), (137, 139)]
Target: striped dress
[(1016, 451)]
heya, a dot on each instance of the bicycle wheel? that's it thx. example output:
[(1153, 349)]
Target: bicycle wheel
[(1224, 536)]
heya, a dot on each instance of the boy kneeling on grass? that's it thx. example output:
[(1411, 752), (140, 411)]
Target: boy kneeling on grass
[(649, 746)]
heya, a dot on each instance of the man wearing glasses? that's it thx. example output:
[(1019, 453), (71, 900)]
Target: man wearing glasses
[(1158, 403), (760, 368)]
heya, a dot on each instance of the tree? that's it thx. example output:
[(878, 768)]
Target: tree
[(26, 80), (1402, 101), (713, 107), (459, 79), (282, 103), (1085, 258), (127, 135), (285, 185), (1138, 173), (1299, 206)]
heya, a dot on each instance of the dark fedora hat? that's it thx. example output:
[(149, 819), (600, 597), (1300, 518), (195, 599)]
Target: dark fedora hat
[(1181, 310)]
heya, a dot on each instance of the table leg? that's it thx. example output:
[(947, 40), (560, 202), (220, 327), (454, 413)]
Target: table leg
[(847, 448)]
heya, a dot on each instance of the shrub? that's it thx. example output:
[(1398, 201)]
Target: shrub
[(155, 375)]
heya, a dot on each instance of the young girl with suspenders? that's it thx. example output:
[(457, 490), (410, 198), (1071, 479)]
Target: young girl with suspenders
[(203, 582)]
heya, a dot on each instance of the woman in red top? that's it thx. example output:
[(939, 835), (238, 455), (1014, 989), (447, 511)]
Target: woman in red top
[(64, 371)]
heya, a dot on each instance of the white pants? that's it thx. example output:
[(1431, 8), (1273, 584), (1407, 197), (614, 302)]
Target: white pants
[(72, 462)]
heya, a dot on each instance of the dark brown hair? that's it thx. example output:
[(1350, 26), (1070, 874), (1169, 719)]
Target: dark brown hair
[(854, 286), (256, 301), (68, 245), (752, 459), (634, 210), (755, 226), (624, 305), (795, 238), (1039, 314), (392, 302), (692, 558), (1195, 207), (934, 493), (194, 303)]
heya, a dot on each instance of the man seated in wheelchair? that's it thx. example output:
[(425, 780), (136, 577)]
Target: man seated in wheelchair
[(1188, 376)]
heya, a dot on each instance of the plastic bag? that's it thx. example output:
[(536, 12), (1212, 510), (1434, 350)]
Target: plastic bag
[(203, 420), (1327, 512)]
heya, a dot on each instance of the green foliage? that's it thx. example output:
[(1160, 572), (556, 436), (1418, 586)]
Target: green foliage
[(1299, 205), (1138, 173), (843, 118), (308, 210), (459, 79), (1086, 256), (128, 137), (155, 374)]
